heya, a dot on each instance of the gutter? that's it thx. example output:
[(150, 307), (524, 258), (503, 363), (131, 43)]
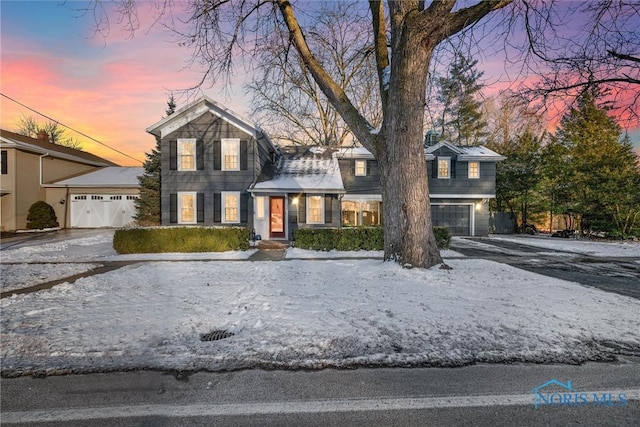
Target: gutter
[(42, 157)]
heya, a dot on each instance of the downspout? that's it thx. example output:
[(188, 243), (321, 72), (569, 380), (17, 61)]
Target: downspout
[(42, 157)]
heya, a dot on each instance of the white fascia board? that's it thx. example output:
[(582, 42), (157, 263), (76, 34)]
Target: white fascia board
[(52, 153), (472, 158), (361, 197), (430, 150), (461, 196), (200, 107), (280, 190)]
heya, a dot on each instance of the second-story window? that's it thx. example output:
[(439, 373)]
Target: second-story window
[(444, 167), (474, 170), (361, 168), (231, 154), (187, 154)]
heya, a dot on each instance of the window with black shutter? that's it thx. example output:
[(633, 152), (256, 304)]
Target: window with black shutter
[(217, 207), (244, 155), (200, 206), (173, 154), (217, 155), (173, 208)]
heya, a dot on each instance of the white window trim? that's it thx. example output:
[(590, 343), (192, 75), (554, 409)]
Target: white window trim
[(195, 153), (224, 144), (469, 169), (364, 164), (223, 197), (308, 206), (195, 206), (448, 159), (260, 207)]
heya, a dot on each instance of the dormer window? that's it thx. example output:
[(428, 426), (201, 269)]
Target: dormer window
[(361, 168), (444, 167), (474, 170)]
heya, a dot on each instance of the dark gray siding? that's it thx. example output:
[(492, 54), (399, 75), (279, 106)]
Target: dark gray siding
[(459, 182), (208, 181), (353, 184)]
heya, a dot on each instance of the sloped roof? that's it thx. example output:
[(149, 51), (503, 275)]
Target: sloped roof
[(466, 153), (196, 109), (304, 169), (25, 143), (107, 177)]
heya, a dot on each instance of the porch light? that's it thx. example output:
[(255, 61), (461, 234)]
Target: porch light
[(295, 200)]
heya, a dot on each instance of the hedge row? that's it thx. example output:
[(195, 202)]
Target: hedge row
[(180, 239), (354, 238)]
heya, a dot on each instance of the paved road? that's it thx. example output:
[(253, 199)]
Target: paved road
[(496, 395), (612, 274)]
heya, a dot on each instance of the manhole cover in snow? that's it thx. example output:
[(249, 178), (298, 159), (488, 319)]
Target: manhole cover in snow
[(215, 335)]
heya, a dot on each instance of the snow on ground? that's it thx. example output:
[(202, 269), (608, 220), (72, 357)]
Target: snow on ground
[(311, 314), (98, 246), (19, 276), (584, 247), (297, 253)]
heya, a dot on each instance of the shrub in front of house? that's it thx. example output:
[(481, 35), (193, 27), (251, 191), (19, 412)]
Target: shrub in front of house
[(443, 237), (353, 238), (180, 239), (41, 215)]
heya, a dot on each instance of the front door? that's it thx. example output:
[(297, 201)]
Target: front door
[(276, 215)]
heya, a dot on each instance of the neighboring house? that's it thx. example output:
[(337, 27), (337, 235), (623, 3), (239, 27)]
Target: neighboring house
[(218, 168), (35, 169)]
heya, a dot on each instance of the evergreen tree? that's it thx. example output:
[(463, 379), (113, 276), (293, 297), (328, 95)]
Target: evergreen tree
[(148, 205), (603, 169), (462, 121), (518, 177)]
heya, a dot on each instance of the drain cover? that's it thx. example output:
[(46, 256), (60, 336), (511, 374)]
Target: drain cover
[(215, 335)]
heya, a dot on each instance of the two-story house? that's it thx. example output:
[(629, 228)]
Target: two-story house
[(210, 158), (85, 190), (218, 168)]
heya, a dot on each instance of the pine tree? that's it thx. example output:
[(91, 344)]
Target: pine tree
[(462, 121), (603, 169), (148, 205)]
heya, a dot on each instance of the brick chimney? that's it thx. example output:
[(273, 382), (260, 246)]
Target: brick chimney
[(43, 136)]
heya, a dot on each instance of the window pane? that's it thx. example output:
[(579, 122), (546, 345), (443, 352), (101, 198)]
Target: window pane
[(315, 209), (361, 167), (474, 170), (350, 213), (231, 208), (371, 213), (260, 207), (231, 155), (187, 155), (187, 211), (443, 168)]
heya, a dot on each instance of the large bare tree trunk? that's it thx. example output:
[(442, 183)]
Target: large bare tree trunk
[(409, 235)]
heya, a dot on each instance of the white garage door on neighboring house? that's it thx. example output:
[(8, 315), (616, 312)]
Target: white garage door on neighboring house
[(458, 218), (102, 210)]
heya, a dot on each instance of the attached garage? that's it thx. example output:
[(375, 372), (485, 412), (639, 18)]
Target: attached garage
[(102, 210), (103, 198), (458, 218)]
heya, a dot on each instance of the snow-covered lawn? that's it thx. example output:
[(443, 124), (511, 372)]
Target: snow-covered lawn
[(311, 314), (25, 275)]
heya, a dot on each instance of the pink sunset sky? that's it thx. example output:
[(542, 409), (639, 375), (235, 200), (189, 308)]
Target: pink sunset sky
[(110, 89)]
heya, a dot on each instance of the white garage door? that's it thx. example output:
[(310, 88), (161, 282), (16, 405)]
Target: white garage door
[(102, 210)]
